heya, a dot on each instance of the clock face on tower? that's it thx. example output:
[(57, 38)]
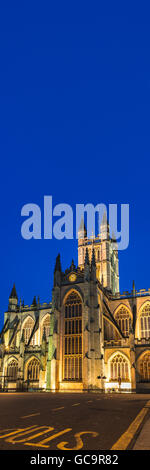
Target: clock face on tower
[(72, 277)]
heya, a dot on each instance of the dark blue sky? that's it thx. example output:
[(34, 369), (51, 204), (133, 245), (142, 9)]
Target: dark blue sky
[(74, 124)]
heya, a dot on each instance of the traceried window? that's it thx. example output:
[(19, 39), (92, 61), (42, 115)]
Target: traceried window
[(46, 327), (145, 321), (124, 320), (119, 368), (72, 347), (144, 368), (28, 327), (33, 370), (12, 370)]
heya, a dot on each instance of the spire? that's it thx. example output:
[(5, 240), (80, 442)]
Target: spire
[(104, 227), (114, 241), (93, 267), (104, 219), (13, 294), (93, 258), (86, 266), (72, 267), (34, 303), (133, 288), (82, 232), (57, 272), (86, 261), (82, 225), (58, 264), (113, 236)]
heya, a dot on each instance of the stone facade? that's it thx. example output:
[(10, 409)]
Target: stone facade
[(90, 337)]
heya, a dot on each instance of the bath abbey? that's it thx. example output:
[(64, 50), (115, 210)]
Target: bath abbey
[(89, 337)]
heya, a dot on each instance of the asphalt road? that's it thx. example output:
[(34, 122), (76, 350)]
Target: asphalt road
[(66, 420)]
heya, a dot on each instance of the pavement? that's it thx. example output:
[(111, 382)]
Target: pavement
[(143, 439), (73, 421)]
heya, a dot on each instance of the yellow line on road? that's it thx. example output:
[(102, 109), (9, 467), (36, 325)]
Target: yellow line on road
[(76, 404), (26, 431), (90, 401), (79, 442), (16, 439), (42, 443), (126, 438), (16, 432), (8, 429), (55, 409), (28, 416)]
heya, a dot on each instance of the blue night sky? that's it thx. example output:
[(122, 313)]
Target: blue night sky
[(74, 124)]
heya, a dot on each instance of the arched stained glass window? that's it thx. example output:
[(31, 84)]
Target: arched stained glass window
[(72, 349), (123, 319), (33, 370), (27, 329), (12, 370), (144, 368), (46, 327), (119, 368), (145, 321)]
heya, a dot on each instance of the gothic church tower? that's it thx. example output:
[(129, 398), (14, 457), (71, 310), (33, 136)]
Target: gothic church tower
[(106, 255)]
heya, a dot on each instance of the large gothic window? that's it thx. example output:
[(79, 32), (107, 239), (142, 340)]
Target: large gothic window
[(145, 321), (46, 327), (33, 370), (12, 370), (119, 368), (72, 347), (27, 329), (124, 320), (144, 368)]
